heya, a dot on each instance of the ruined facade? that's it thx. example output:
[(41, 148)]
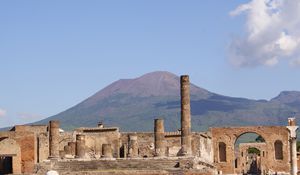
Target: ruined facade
[(226, 138), (104, 150)]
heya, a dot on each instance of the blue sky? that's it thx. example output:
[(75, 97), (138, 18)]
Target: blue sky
[(54, 54)]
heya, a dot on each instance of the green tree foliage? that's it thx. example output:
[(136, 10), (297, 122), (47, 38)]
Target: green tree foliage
[(254, 151), (260, 139)]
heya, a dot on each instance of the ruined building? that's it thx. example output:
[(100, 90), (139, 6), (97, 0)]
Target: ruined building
[(36, 149)]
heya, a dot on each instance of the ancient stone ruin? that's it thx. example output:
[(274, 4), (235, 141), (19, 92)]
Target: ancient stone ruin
[(38, 149)]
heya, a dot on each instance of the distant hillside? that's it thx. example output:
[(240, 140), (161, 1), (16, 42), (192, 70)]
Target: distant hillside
[(132, 104)]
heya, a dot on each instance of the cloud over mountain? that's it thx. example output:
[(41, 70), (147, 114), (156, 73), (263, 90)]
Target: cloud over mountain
[(272, 33)]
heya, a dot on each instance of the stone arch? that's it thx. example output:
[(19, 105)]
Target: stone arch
[(248, 132), (278, 150), (10, 148), (222, 152), (229, 136), (243, 142)]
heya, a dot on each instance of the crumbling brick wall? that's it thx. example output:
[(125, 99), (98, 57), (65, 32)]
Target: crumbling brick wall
[(26, 141)]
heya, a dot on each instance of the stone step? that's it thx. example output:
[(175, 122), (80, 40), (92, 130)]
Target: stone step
[(137, 172), (114, 164), (130, 166)]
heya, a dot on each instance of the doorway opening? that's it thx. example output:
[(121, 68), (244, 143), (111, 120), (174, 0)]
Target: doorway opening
[(249, 151), (6, 165)]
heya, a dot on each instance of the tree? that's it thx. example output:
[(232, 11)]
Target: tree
[(260, 139), (254, 151)]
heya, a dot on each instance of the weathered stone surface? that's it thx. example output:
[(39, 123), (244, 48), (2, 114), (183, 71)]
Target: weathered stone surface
[(62, 154), (52, 173), (293, 144), (134, 166), (26, 141), (107, 151), (54, 139), (43, 146), (65, 138), (139, 172), (146, 146), (72, 146), (67, 150), (80, 146), (145, 143), (159, 138), (133, 149), (95, 137), (9, 147), (271, 134), (41, 136), (291, 121), (185, 116), (243, 157)]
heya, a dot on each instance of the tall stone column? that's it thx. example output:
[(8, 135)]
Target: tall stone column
[(293, 145), (185, 116), (107, 151), (133, 147), (53, 139), (80, 146), (159, 137)]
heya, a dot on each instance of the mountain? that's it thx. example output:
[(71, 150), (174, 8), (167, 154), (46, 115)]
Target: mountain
[(290, 98), (153, 84), (133, 104)]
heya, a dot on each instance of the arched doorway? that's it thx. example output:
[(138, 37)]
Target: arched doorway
[(254, 161), (248, 150)]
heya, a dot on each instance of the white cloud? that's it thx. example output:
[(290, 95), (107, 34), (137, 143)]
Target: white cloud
[(272, 33), (2, 112)]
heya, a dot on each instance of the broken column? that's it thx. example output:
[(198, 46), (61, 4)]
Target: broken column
[(159, 137), (107, 151), (133, 147), (293, 144), (53, 139), (80, 146), (185, 116)]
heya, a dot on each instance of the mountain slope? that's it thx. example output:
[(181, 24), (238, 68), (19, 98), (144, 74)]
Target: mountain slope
[(158, 83), (132, 104)]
